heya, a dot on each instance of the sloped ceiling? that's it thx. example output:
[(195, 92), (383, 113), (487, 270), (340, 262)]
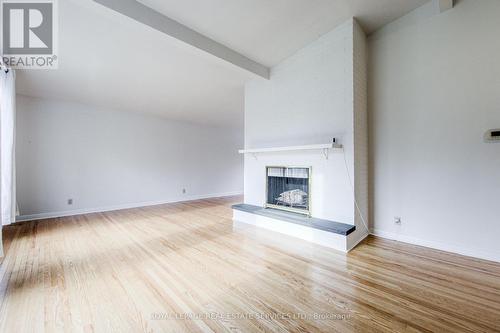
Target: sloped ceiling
[(109, 60)]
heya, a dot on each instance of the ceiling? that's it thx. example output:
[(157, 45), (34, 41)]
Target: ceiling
[(268, 31), (109, 60)]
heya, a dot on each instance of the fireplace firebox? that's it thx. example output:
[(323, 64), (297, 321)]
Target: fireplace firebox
[(289, 188)]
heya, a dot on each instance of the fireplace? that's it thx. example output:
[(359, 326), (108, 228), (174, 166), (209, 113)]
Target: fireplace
[(289, 188)]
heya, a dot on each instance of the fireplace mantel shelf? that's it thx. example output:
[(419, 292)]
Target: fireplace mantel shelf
[(324, 147)]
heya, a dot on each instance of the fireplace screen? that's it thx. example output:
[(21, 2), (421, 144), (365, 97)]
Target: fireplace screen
[(288, 189)]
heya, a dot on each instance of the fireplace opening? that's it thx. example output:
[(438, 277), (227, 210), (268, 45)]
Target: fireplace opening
[(288, 188)]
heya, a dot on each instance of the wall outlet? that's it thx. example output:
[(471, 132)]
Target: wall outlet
[(492, 136), (70, 201), (397, 220)]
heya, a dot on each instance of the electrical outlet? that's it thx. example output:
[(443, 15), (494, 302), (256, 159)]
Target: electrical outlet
[(397, 220), (70, 201), (184, 191)]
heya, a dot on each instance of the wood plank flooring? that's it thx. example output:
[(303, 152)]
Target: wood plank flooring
[(184, 268)]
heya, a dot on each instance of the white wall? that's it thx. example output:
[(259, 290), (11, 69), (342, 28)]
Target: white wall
[(309, 99), (434, 91), (106, 159)]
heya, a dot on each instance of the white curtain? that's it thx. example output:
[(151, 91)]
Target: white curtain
[(7, 146)]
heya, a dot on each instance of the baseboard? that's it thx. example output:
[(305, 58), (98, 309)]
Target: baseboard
[(50, 215), (461, 250)]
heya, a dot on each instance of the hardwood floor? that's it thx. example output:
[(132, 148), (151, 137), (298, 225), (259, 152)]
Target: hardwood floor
[(132, 270)]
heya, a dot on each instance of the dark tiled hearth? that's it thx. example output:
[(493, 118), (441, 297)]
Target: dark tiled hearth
[(325, 225)]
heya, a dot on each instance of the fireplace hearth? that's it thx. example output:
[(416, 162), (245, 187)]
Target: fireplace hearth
[(288, 188)]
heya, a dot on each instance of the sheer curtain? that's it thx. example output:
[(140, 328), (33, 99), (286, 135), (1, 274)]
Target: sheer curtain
[(7, 148)]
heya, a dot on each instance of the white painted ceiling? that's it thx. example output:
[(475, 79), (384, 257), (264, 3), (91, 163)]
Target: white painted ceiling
[(269, 31), (109, 60)]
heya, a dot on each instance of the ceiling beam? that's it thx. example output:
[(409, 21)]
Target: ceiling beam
[(166, 25), (444, 5)]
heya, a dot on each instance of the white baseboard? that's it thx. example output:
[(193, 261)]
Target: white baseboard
[(50, 215), (462, 250), (452, 248)]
